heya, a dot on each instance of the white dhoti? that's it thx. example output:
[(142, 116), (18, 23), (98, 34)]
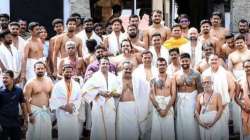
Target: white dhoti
[(127, 122), (163, 127), (223, 123), (103, 121), (247, 137), (68, 125), (213, 133), (186, 124), (30, 73), (41, 129)]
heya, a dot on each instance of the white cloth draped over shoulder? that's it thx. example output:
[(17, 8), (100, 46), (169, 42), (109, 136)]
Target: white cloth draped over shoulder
[(163, 127), (164, 53), (41, 129), (83, 36), (186, 124), (103, 111), (10, 59), (186, 48), (68, 124), (114, 43)]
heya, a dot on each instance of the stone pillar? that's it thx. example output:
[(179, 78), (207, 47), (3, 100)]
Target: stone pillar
[(80, 6), (157, 4), (239, 10)]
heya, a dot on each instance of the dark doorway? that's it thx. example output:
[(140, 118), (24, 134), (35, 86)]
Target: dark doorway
[(42, 11)]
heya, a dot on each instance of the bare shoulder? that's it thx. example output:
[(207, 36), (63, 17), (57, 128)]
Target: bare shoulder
[(166, 29)]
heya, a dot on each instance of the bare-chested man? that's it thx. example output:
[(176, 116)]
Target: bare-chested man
[(59, 47), (184, 22), (33, 52), (236, 59), (188, 85), (127, 55), (79, 26), (76, 62), (37, 92), (206, 38), (244, 30), (155, 27), (135, 20), (162, 95), (132, 31), (242, 98), (208, 111), (58, 28), (228, 47), (217, 30)]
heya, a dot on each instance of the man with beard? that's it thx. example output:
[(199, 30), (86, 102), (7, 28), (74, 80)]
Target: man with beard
[(65, 101), (217, 30), (113, 40), (157, 49), (126, 55), (17, 40), (99, 30), (4, 21), (195, 51), (9, 56), (37, 93), (88, 33), (11, 97), (243, 100), (224, 84), (188, 85), (23, 29), (206, 38), (79, 26), (132, 32), (244, 30), (58, 28), (162, 96), (184, 22), (208, 111), (174, 64), (228, 47), (94, 67), (59, 47), (156, 27), (135, 20)]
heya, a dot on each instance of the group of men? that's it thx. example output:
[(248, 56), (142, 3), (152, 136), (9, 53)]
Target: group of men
[(158, 83)]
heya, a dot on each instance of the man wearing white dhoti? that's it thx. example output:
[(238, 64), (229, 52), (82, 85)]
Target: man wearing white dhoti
[(188, 85), (9, 56), (142, 75), (37, 93), (208, 111), (65, 100), (127, 113), (101, 89), (224, 84), (162, 95)]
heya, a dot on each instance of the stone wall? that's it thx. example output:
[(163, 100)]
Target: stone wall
[(239, 10), (80, 6)]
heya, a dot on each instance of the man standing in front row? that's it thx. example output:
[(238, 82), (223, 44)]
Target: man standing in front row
[(100, 89), (162, 95), (188, 85), (37, 92), (65, 100), (10, 97)]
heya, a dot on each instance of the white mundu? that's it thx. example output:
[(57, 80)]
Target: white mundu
[(103, 111), (68, 124), (41, 129), (163, 127)]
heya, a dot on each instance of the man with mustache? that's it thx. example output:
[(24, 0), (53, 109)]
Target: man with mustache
[(244, 30), (135, 20), (88, 33), (37, 93), (184, 21), (188, 85), (162, 96), (174, 62), (4, 21), (224, 84), (59, 47), (126, 55), (154, 28), (228, 47), (132, 32), (217, 30), (33, 52), (23, 29), (206, 38)]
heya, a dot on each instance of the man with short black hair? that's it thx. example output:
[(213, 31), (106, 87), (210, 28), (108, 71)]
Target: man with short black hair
[(10, 98), (4, 21)]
